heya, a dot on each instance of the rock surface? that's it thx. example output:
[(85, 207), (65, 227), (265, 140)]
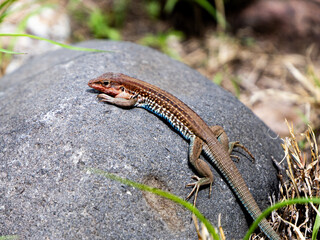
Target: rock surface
[(52, 129)]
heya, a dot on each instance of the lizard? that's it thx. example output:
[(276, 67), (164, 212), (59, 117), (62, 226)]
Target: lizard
[(124, 91)]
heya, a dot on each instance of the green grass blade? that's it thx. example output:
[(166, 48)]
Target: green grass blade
[(218, 78), (10, 52), (9, 237), (161, 193), (169, 6), (208, 7), (50, 41), (205, 4), (276, 206), (316, 226), (7, 2), (3, 8)]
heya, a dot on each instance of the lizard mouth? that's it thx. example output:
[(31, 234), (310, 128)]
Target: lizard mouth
[(100, 87)]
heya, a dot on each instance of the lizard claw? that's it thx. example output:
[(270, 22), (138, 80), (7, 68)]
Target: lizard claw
[(232, 145), (105, 98), (196, 186), (236, 157)]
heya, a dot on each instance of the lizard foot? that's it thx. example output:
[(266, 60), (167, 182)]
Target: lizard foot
[(196, 186), (233, 145)]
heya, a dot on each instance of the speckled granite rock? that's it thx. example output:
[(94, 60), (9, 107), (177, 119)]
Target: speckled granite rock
[(52, 128)]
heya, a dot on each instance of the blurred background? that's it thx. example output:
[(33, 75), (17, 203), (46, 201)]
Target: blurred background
[(266, 52)]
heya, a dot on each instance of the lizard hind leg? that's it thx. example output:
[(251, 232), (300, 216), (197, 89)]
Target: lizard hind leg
[(222, 137), (196, 145), (232, 145)]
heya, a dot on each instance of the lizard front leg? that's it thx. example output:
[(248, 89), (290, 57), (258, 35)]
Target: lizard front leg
[(121, 102)]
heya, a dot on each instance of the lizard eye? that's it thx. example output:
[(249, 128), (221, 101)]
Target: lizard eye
[(122, 89), (106, 83)]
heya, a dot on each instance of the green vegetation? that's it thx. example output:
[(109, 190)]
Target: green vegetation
[(316, 226), (278, 206), (161, 193), (153, 9), (9, 237), (161, 41), (99, 24), (195, 211), (50, 41), (217, 13), (218, 78), (236, 85)]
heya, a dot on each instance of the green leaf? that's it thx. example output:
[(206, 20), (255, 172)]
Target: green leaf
[(99, 23), (170, 4), (316, 226), (212, 11), (208, 7), (217, 79), (160, 41), (153, 9)]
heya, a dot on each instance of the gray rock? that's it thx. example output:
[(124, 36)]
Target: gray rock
[(52, 128)]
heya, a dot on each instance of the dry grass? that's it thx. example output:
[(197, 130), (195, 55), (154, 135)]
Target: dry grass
[(275, 85), (299, 176), (300, 179)]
